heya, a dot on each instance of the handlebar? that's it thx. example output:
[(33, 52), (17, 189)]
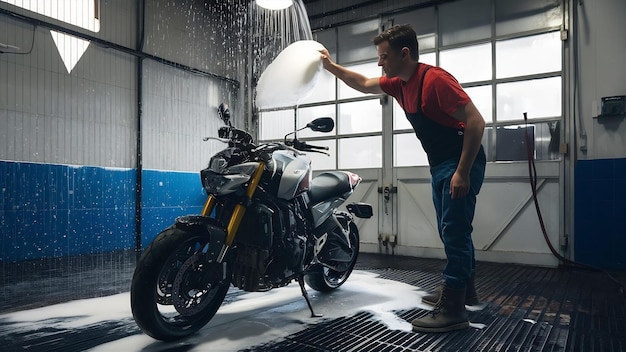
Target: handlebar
[(318, 147), (295, 145), (274, 146), (304, 146), (223, 140)]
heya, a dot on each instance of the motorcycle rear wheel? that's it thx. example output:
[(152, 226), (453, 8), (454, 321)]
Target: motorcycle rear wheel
[(323, 279), (176, 288)]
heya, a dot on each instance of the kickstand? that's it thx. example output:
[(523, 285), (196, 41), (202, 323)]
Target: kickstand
[(306, 297)]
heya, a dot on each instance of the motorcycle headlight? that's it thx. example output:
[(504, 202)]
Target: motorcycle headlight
[(212, 181), (220, 184), (229, 179)]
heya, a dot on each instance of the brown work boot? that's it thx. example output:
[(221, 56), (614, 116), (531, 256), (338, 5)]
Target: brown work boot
[(471, 298), (449, 313)]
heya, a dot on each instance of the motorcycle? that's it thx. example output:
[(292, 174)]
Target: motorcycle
[(265, 223)]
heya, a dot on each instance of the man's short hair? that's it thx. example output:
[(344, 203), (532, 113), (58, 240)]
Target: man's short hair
[(400, 36)]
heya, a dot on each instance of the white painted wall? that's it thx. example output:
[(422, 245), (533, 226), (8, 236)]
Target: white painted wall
[(601, 31)]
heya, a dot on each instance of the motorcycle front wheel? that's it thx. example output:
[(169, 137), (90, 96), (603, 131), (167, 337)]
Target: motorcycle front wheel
[(177, 288), (324, 279)]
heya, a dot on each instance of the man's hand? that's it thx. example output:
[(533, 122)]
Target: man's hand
[(326, 60), (474, 128), (351, 78), (459, 185)]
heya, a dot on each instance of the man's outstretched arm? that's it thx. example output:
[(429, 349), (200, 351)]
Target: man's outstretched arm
[(353, 79)]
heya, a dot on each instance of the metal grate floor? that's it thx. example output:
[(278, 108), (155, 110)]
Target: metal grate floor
[(525, 308)]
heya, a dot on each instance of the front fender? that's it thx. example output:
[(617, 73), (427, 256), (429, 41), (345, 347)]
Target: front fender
[(210, 227)]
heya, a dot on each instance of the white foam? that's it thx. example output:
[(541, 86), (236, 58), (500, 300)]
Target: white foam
[(74, 314), (475, 308), (291, 76), (392, 321), (479, 326), (253, 318)]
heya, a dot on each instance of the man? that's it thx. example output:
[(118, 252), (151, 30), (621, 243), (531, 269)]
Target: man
[(450, 129)]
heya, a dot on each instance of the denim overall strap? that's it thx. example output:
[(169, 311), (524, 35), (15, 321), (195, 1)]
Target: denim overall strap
[(440, 141)]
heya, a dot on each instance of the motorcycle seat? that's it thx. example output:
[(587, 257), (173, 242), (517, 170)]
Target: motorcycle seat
[(328, 185)]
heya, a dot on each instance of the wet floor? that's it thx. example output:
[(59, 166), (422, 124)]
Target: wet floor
[(524, 308)]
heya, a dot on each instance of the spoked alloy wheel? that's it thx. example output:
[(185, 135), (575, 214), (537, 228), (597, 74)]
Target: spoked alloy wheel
[(324, 279), (177, 287)]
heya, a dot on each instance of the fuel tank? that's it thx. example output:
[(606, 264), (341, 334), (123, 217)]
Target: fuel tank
[(288, 175)]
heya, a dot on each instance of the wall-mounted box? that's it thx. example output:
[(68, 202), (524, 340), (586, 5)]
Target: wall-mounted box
[(613, 106)]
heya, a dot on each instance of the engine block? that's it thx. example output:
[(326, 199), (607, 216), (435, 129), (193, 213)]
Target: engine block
[(272, 246)]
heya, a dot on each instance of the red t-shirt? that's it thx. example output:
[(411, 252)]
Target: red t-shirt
[(441, 95)]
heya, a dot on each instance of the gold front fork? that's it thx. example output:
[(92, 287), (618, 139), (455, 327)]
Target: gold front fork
[(209, 205), (239, 211)]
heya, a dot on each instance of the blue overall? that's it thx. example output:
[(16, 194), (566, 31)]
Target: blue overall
[(443, 146)]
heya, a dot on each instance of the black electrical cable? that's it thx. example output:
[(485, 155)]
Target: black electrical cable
[(532, 173)]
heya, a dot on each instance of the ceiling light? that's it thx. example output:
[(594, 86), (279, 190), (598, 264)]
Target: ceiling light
[(274, 4)]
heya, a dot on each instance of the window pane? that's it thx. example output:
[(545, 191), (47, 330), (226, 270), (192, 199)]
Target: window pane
[(400, 122), (321, 161), (528, 55), (355, 41), (548, 140), (360, 117), (428, 41), (306, 115), (537, 97), (464, 21), (429, 58), (328, 38), (424, 21), (468, 64), (545, 139), (276, 124), (369, 69), (515, 16), (324, 89), (482, 98), (361, 152), (408, 151)]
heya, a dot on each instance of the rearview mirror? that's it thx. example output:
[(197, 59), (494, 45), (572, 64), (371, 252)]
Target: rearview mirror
[(224, 113), (322, 124)]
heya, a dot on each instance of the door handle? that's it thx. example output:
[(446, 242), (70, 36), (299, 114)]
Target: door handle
[(386, 192)]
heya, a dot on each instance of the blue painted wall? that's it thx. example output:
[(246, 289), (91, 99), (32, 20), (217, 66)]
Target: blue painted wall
[(167, 195), (60, 210), (600, 201)]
